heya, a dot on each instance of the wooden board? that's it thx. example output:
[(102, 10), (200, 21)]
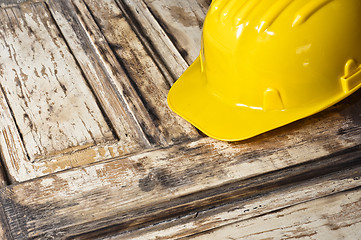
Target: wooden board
[(139, 171), (157, 185), (208, 220), (128, 194), (334, 217), (115, 91), (151, 84), (182, 21), (52, 105)]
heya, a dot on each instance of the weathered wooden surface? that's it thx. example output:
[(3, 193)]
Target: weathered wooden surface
[(128, 193), (53, 107), (12, 148), (5, 233), (48, 106), (124, 112), (157, 185), (150, 30), (259, 203), (182, 21), (119, 163), (95, 68), (333, 217), (152, 87)]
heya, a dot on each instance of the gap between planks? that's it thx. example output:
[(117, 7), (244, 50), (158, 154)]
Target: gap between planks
[(336, 216), (70, 25), (203, 223), (80, 207)]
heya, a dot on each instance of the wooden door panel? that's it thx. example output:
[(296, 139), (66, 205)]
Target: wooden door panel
[(141, 172), (151, 83), (54, 109), (81, 84)]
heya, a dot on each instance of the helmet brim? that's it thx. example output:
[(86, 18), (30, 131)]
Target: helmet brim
[(190, 99)]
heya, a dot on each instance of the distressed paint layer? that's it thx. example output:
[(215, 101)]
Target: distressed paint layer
[(151, 84), (182, 21), (53, 107)]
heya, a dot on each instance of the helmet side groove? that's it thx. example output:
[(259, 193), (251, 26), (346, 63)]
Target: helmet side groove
[(246, 10), (308, 10), (272, 14)]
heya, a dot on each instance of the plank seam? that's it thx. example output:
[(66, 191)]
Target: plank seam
[(235, 192), (169, 35), (272, 212), (147, 43), (140, 124), (15, 123), (102, 110)]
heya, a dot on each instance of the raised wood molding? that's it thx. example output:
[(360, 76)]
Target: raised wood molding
[(139, 171), (129, 108)]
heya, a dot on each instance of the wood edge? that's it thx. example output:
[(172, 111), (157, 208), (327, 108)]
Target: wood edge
[(201, 222), (218, 196)]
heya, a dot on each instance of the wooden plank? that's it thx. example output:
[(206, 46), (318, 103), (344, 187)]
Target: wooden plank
[(6, 131), (12, 148), (41, 207), (333, 217), (126, 127), (14, 3), (5, 232), (111, 67), (133, 128), (154, 37), (152, 87), (205, 220), (53, 107), (182, 21), (154, 186), (119, 76)]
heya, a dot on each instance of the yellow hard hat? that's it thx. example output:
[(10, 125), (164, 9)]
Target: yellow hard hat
[(266, 63)]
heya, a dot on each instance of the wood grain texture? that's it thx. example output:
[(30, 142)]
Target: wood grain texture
[(70, 28), (13, 152), (53, 107), (333, 217), (157, 185), (127, 129), (182, 21), (15, 3), (258, 204), (151, 85), (154, 38), (5, 232), (53, 94), (42, 207), (156, 178), (117, 76)]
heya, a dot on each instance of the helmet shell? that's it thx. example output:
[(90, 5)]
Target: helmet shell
[(266, 63)]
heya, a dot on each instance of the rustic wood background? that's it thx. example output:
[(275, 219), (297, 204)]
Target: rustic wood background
[(90, 149)]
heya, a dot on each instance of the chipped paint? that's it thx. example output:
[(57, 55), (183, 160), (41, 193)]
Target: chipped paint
[(60, 113)]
